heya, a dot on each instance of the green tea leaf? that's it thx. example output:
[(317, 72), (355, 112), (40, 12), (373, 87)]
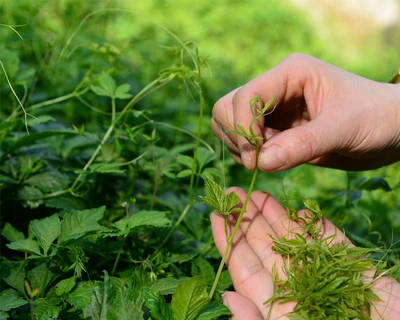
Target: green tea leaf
[(10, 300), (11, 234), (77, 224), (46, 231), (190, 297)]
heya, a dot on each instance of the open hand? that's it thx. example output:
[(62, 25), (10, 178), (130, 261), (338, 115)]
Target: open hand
[(251, 261)]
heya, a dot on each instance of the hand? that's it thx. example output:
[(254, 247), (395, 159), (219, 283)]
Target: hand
[(251, 260), (325, 116)]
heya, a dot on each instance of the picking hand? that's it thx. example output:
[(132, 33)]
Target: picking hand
[(325, 116), (251, 261)]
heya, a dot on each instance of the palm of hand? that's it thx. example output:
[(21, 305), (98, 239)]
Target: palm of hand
[(251, 262)]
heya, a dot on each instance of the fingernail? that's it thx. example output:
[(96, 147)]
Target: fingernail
[(272, 158), (224, 300)]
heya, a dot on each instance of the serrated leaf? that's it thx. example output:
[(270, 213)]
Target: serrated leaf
[(10, 300), (82, 295), (77, 224), (142, 218), (11, 234), (125, 306), (25, 245), (27, 192), (40, 119), (159, 309), (190, 297), (46, 231), (45, 309), (102, 300), (220, 202), (65, 286), (213, 311)]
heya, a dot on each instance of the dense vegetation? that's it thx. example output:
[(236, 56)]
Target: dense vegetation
[(105, 147)]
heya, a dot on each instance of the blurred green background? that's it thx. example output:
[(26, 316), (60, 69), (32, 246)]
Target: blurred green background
[(241, 39)]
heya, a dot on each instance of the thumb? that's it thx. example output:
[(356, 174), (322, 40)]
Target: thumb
[(299, 145)]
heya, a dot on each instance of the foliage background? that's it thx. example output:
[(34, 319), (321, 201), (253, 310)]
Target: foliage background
[(241, 39)]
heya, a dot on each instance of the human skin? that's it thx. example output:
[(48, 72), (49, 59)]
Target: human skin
[(325, 116), (251, 260)]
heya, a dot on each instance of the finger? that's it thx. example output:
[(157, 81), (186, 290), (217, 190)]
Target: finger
[(249, 277), (259, 232), (300, 145), (288, 82), (241, 307)]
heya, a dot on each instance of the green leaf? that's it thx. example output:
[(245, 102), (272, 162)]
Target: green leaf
[(102, 300), (190, 297), (122, 91), (167, 285), (40, 119), (100, 91), (77, 224), (65, 286), (11, 234), (201, 267), (10, 300), (213, 311), (125, 306), (184, 173), (33, 137), (25, 245), (40, 277), (142, 218), (48, 181), (375, 184), (16, 275), (82, 295), (27, 193), (159, 309), (46, 231), (45, 309), (204, 157), (108, 83), (185, 160), (217, 200)]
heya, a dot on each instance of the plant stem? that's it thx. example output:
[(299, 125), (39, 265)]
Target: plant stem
[(236, 228)]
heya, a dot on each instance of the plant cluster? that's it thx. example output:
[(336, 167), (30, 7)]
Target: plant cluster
[(105, 148)]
